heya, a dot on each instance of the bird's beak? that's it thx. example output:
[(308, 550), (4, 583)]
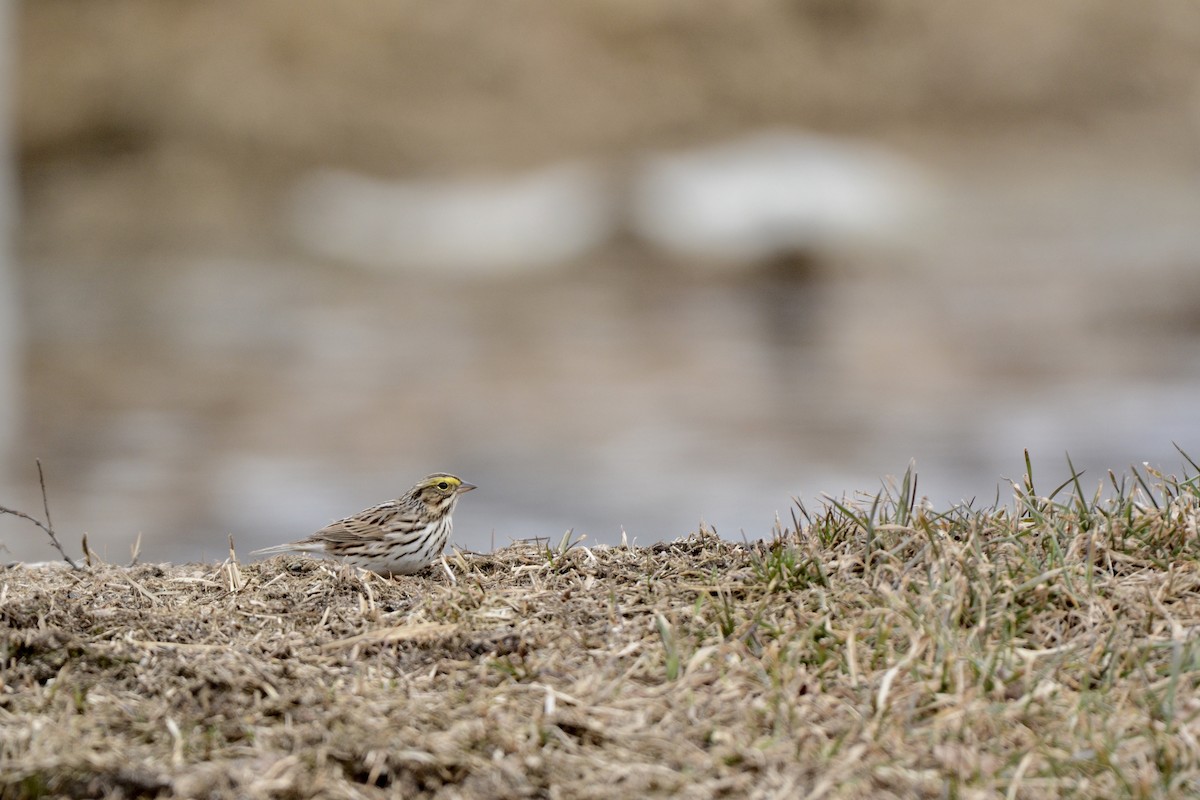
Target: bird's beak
[(466, 487)]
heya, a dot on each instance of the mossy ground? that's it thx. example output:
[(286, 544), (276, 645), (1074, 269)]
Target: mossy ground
[(876, 648)]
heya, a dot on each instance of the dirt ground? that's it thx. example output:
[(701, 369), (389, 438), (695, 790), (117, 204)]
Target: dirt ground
[(876, 649)]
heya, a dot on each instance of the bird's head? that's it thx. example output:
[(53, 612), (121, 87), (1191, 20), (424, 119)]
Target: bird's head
[(440, 491)]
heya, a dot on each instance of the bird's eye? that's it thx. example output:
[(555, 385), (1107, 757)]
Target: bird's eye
[(443, 486)]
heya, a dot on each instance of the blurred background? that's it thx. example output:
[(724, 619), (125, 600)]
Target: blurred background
[(625, 265)]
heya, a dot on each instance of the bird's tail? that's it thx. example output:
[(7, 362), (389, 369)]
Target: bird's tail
[(290, 547)]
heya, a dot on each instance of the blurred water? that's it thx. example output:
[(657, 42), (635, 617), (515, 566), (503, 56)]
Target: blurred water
[(189, 397), (274, 267), (11, 332)]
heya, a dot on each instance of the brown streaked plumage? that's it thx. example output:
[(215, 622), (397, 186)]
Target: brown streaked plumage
[(398, 537)]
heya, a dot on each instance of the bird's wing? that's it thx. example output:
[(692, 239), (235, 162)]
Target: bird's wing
[(370, 525)]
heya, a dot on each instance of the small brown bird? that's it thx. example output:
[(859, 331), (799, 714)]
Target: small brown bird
[(398, 537)]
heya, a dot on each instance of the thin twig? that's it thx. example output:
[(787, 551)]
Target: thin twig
[(45, 526), (45, 500)]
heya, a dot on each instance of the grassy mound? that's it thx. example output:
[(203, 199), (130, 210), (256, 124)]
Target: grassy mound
[(873, 649)]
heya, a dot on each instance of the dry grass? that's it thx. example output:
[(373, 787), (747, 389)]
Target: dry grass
[(874, 649)]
